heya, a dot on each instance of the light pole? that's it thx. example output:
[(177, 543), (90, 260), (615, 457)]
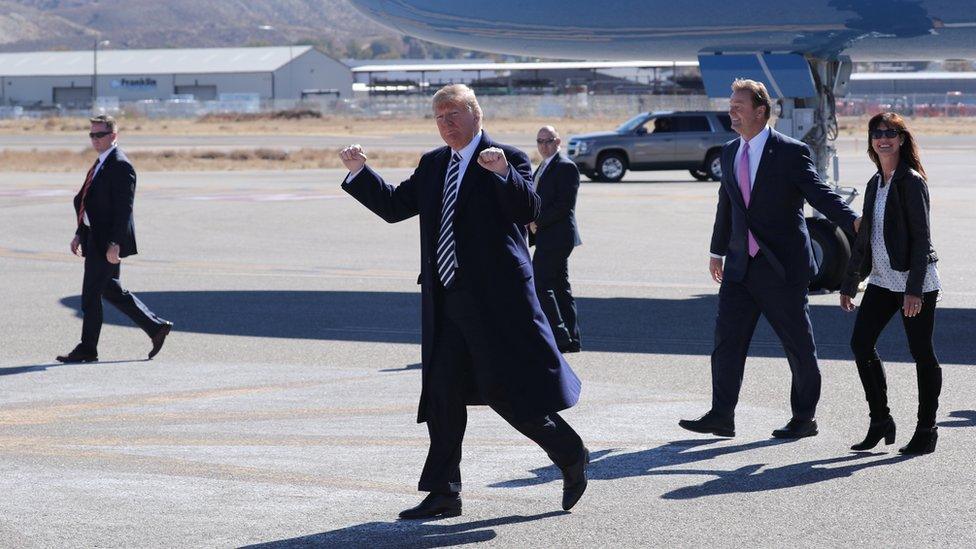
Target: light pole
[(290, 59), (95, 71)]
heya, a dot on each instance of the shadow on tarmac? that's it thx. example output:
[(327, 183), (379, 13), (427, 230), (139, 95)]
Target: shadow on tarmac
[(624, 325), (605, 465), (41, 367), (751, 478), (967, 418), (418, 534)]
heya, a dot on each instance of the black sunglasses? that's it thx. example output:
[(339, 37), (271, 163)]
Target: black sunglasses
[(545, 141), (99, 135), (878, 134)]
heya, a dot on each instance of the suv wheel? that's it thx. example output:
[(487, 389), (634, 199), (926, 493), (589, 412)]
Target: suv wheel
[(713, 165), (699, 174), (611, 167)]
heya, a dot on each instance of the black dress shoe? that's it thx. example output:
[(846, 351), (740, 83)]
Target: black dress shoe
[(710, 424), (574, 480), (78, 355), (160, 338), (571, 347), (877, 430), (797, 428), (435, 505), (923, 442)]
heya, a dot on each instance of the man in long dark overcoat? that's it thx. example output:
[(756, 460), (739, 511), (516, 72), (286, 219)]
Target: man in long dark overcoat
[(485, 337)]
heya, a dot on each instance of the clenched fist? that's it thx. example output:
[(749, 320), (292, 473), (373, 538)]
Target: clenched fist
[(493, 159), (353, 158)]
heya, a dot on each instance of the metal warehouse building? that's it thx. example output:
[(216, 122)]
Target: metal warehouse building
[(66, 78)]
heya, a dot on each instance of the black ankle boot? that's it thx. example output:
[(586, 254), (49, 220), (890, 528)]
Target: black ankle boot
[(884, 428), (923, 441)]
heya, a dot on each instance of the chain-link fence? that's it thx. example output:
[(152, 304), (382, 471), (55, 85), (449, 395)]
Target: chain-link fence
[(506, 106)]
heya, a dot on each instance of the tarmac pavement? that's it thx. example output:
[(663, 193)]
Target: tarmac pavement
[(281, 411)]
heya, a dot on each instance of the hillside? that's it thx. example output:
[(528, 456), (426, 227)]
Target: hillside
[(333, 25)]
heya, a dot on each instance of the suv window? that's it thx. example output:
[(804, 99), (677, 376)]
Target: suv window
[(726, 122), (691, 124), (661, 124)]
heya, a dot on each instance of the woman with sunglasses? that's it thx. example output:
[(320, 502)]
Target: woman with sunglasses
[(894, 247)]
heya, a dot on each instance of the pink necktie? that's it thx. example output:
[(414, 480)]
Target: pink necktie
[(742, 174)]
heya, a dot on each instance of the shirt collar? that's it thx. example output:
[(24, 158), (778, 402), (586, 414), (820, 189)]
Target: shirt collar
[(758, 141), (549, 158), (104, 155), (468, 151)]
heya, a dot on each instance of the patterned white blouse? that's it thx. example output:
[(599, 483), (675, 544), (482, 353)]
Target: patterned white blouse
[(881, 272)]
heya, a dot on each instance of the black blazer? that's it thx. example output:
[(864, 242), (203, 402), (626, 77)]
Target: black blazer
[(786, 176), (557, 188), (109, 207), (524, 365), (908, 241)]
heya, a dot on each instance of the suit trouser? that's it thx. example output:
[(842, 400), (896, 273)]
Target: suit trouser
[(784, 305), (551, 268), (877, 307), (102, 280), (461, 346)]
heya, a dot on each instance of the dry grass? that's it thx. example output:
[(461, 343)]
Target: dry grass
[(327, 125), (199, 160), (307, 123)]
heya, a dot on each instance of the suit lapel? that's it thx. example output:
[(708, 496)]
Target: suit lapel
[(472, 171), (765, 160), (730, 153)]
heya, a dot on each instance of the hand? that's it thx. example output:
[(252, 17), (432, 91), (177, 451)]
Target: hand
[(112, 255), (857, 224), (715, 267), (912, 305), (353, 158), (493, 159), (76, 245), (533, 228), (847, 303)]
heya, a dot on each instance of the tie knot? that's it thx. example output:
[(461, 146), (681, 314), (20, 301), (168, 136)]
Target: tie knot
[(456, 158)]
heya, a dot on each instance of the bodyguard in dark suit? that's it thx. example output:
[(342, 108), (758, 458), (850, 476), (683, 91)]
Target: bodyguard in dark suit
[(761, 231), (554, 235), (485, 338), (105, 234)]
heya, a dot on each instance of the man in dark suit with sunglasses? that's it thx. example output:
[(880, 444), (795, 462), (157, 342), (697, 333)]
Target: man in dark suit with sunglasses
[(105, 234), (554, 234)]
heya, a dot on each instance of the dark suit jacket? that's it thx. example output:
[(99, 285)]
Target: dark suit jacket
[(109, 207), (786, 176), (908, 241), (557, 188), (489, 228)]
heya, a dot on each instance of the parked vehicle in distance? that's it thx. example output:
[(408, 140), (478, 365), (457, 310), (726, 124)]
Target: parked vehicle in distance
[(672, 140)]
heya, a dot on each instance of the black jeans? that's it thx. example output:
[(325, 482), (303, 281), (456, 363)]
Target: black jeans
[(551, 267), (102, 280), (460, 340), (877, 307)]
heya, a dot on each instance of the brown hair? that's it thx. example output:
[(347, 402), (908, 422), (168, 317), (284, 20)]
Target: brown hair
[(760, 96), (109, 121), (908, 151)]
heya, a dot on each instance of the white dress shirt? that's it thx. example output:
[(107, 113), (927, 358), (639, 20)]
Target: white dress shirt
[(101, 160), (756, 146), (542, 169)]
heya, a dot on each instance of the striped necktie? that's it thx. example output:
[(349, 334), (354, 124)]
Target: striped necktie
[(446, 258)]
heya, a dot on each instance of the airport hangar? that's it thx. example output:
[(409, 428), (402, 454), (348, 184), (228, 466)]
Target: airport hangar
[(38, 79)]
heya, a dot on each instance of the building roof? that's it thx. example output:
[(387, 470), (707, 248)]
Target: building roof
[(162, 61), (490, 66)]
